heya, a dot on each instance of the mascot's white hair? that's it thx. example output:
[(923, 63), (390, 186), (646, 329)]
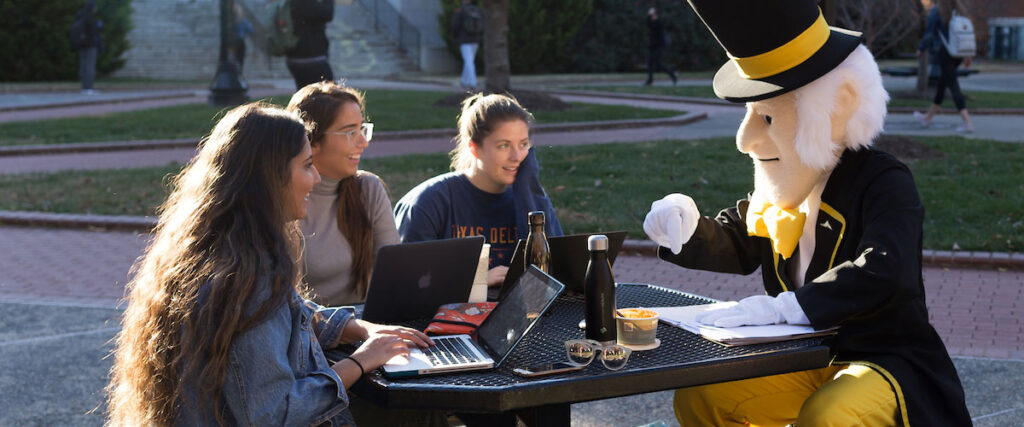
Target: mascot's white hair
[(816, 101)]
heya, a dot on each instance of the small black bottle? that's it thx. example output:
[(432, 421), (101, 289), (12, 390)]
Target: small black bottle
[(599, 293), (537, 251)]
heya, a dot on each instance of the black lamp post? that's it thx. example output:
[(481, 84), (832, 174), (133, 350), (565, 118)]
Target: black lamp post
[(228, 87)]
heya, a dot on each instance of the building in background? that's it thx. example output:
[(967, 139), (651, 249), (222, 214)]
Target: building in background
[(180, 39)]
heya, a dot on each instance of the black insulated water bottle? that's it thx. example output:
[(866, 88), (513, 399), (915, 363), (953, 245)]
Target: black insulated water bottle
[(599, 293)]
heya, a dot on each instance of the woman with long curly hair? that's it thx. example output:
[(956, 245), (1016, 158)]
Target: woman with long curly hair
[(216, 330)]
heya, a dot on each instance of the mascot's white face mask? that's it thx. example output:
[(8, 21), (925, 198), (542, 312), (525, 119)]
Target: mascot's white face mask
[(768, 136)]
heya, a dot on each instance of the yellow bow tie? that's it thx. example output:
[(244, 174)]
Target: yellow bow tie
[(783, 226)]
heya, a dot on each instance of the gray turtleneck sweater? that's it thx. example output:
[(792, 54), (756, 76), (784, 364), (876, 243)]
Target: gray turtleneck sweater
[(327, 257)]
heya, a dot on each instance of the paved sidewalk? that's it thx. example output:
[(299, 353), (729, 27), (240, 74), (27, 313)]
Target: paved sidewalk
[(987, 82), (721, 122), (52, 105), (25, 107), (380, 147)]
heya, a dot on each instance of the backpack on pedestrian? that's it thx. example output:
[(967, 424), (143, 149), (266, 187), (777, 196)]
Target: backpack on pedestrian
[(961, 42), (79, 34), (472, 20), (280, 28)]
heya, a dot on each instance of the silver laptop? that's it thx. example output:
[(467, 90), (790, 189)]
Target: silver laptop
[(513, 317)]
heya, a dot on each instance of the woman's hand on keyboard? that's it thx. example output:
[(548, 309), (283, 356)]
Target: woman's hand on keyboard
[(415, 337), (380, 348)]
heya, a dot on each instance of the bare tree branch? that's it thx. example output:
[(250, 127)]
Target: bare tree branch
[(884, 23)]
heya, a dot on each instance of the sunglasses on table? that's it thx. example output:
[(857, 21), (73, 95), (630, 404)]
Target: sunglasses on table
[(582, 352)]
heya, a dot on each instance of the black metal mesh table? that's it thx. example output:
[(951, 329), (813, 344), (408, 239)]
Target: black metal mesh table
[(683, 359)]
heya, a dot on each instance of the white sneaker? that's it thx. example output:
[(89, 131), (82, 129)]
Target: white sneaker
[(921, 119), (89, 91), (965, 129)]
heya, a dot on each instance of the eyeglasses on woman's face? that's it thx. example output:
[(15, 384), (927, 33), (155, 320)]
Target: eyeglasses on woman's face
[(366, 130)]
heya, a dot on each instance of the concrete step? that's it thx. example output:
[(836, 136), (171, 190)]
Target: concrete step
[(181, 40)]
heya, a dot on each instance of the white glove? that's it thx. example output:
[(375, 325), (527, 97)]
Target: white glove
[(758, 310), (672, 221)]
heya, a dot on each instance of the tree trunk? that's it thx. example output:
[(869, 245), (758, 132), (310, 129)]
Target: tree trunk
[(496, 46), (922, 74)]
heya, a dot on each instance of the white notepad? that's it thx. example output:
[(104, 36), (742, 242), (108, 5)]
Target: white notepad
[(686, 318)]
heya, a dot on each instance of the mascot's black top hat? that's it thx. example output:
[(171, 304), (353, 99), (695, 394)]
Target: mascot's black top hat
[(774, 46)]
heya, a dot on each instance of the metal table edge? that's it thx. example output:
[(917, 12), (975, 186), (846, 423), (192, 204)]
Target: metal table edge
[(557, 391)]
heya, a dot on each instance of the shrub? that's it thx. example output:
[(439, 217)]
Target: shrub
[(35, 45), (538, 33), (614, 38)]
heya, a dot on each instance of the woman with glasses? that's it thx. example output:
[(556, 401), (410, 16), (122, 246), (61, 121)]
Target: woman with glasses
[(348, 219), (349, 210), (216, 330), (494, 184)]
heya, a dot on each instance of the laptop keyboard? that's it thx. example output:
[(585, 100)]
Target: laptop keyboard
[(449, 351)]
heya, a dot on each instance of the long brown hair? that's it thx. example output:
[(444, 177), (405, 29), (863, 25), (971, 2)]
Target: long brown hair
[(479, 117), (222, 233), (946, 8), (318, 104)]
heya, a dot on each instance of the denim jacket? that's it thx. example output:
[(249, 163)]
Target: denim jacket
[(277, 374)]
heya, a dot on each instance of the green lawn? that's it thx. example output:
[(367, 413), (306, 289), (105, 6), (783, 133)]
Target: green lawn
[(975, 99), (389, 110), (107, 192), (971, 196), (698, 91)]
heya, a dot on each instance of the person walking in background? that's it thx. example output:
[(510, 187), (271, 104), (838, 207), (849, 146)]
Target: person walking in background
[(307, 61), (85, 38), (467, 27), (243, 29), (937, 29), (656, 43)]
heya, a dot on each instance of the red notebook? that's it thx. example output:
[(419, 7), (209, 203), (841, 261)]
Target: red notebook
[(459, 318)]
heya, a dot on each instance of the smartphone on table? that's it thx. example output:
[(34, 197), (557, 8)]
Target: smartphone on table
[(546, 369)]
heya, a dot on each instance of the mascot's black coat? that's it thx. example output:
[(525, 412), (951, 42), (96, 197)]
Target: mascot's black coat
[(864, 275)]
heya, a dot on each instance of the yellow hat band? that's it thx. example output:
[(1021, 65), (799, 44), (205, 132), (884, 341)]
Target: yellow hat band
[(786, 56)]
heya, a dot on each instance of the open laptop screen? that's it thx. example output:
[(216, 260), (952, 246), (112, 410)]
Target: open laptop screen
[(410, 280), (516, 313)]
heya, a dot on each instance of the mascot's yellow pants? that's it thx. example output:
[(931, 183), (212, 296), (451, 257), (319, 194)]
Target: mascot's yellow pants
[(847, 395)]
